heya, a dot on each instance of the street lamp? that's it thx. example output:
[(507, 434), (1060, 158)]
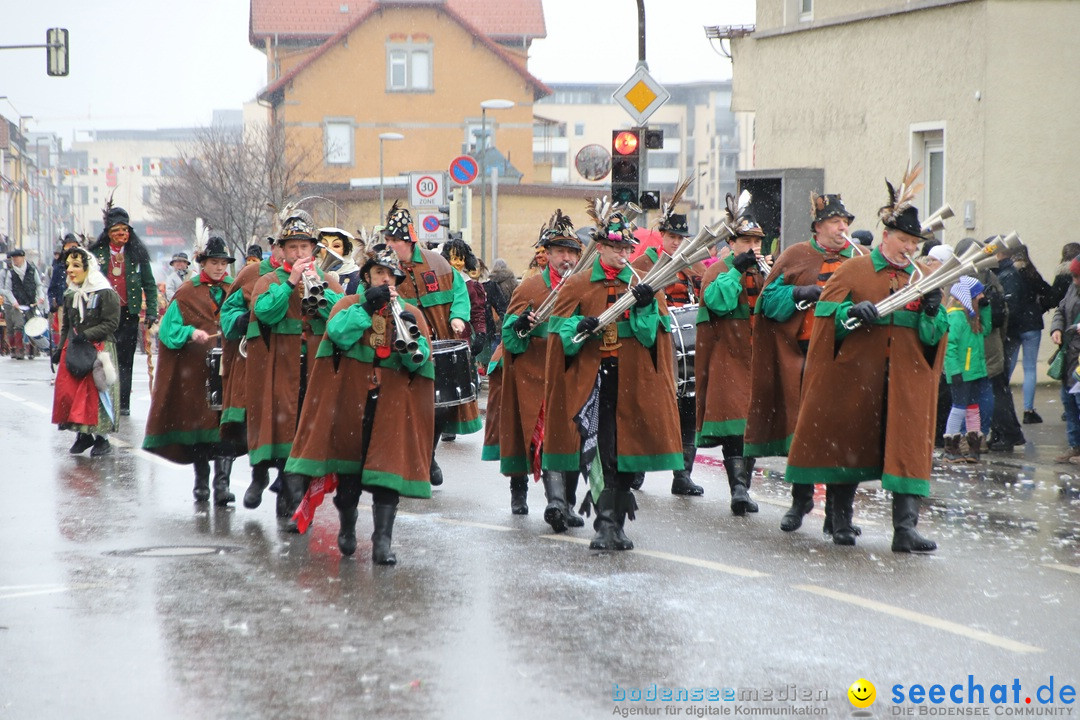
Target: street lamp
[(484, 107), (384, 136)]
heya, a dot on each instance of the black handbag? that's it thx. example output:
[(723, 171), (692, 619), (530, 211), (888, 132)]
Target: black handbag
[(80, 356)]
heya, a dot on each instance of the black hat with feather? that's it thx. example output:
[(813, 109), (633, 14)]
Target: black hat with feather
[(823, 207), (671, 221), (384, 256), (899, 213), (743, 221), (559, 232), (399, 223), (111, 215)]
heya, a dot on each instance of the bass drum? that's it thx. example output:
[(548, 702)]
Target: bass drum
[(37, 329), (684, 337), (455, 379), (214, 383)]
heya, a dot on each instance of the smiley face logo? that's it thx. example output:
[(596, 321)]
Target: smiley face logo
[(862, 693)]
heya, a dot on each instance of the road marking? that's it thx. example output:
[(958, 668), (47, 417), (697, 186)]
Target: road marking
[(1063, 568), (670, 557), (42, 590), (928, 620), (469, 523)]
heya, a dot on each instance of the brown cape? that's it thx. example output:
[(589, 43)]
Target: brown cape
[(180, 417), (777, 368), (869, 400), (233, 364), (328, 437), (647, 418)]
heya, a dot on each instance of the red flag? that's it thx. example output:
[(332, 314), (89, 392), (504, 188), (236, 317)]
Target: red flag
[(537, 444), (313, 498)]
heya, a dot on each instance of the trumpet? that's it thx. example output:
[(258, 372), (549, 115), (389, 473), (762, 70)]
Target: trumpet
[(973, 261), (405, 333), (313, 300), (936, 220), (667, 269)]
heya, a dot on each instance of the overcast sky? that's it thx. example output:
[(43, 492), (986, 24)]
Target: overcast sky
[(148, 63)]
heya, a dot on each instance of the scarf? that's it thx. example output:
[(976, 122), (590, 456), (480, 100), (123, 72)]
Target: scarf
[(94, 282), (205, 279), (20, 271), (609, 272)]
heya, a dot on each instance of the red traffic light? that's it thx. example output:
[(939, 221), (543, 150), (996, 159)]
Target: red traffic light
[(625, 142)]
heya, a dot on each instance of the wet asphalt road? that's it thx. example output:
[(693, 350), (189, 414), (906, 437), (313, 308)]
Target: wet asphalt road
[(488, 615)]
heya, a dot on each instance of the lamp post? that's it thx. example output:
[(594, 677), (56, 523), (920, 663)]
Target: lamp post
[(486, 105), (382, 137)]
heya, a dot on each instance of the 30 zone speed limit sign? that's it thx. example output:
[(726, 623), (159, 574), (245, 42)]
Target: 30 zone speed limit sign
[(427, 189)]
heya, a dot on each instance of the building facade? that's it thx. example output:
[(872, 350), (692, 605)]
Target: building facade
[(859, 88)]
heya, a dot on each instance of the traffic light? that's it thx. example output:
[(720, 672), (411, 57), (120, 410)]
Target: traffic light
[(444, 210), (625, 165), (654, 139), (56, 50)]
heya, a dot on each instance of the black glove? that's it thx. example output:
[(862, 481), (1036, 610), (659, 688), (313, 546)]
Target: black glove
[(931, 303), (744, 261), (588, 325), (522, 325), (408, 317), (864, 312), (56, 356), (983, 301), (375, 298), (643, 293), (150, 320), (241, 323), (806, 293), (479, 342)]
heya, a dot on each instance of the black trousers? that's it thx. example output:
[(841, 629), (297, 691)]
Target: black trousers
[(350, 487), (688, 419), (607, 434), (127, 339)]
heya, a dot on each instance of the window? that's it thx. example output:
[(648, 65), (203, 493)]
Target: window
[(84, 195), (928, 147), (338, 142), (806, 10), (408, 66), (147, 193), (579, 129)]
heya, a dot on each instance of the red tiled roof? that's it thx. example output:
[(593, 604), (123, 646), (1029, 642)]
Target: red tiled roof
[(539, 88), (315, 19)]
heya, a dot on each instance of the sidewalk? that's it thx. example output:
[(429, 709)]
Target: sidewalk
[(1046, 440)]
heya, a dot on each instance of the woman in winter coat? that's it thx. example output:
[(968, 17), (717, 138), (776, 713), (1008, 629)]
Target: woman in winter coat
[(91, 313)]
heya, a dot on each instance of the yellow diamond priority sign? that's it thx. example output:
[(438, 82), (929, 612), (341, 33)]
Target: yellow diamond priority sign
[(641, 96)]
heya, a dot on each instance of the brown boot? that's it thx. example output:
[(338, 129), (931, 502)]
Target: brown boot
[(1069, 455), (974, 443), (952, 449)]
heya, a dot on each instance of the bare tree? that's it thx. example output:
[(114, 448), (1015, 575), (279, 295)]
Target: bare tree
[(227, 177)]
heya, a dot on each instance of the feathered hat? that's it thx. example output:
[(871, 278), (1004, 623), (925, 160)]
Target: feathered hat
[(114, 214), (383, 255), (559, 232), (823, 207), (399, 223), (671, 221), (292, 222), (899, 213), (364, 238), (610, 225), (209, 246), (741, 219)]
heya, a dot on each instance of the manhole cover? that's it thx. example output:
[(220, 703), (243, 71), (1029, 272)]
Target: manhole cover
[(177, 550)]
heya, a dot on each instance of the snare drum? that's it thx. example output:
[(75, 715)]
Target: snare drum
[(684, 337), (213, 379), (455, 379)]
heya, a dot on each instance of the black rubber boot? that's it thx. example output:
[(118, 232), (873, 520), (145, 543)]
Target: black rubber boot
[(802, 502), (260, 478), (827, 526), (739, 482), (841, 511), (435, 476), (101, 447), (222, 471), (606, 528), (293, 487), (82, 442), (555, 490), (519, 492), (572, 518), (625, 505), (202, 481), (681, 484), (346, 539), (751, 507), (638, 481), (383, 516), (905, 516)]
